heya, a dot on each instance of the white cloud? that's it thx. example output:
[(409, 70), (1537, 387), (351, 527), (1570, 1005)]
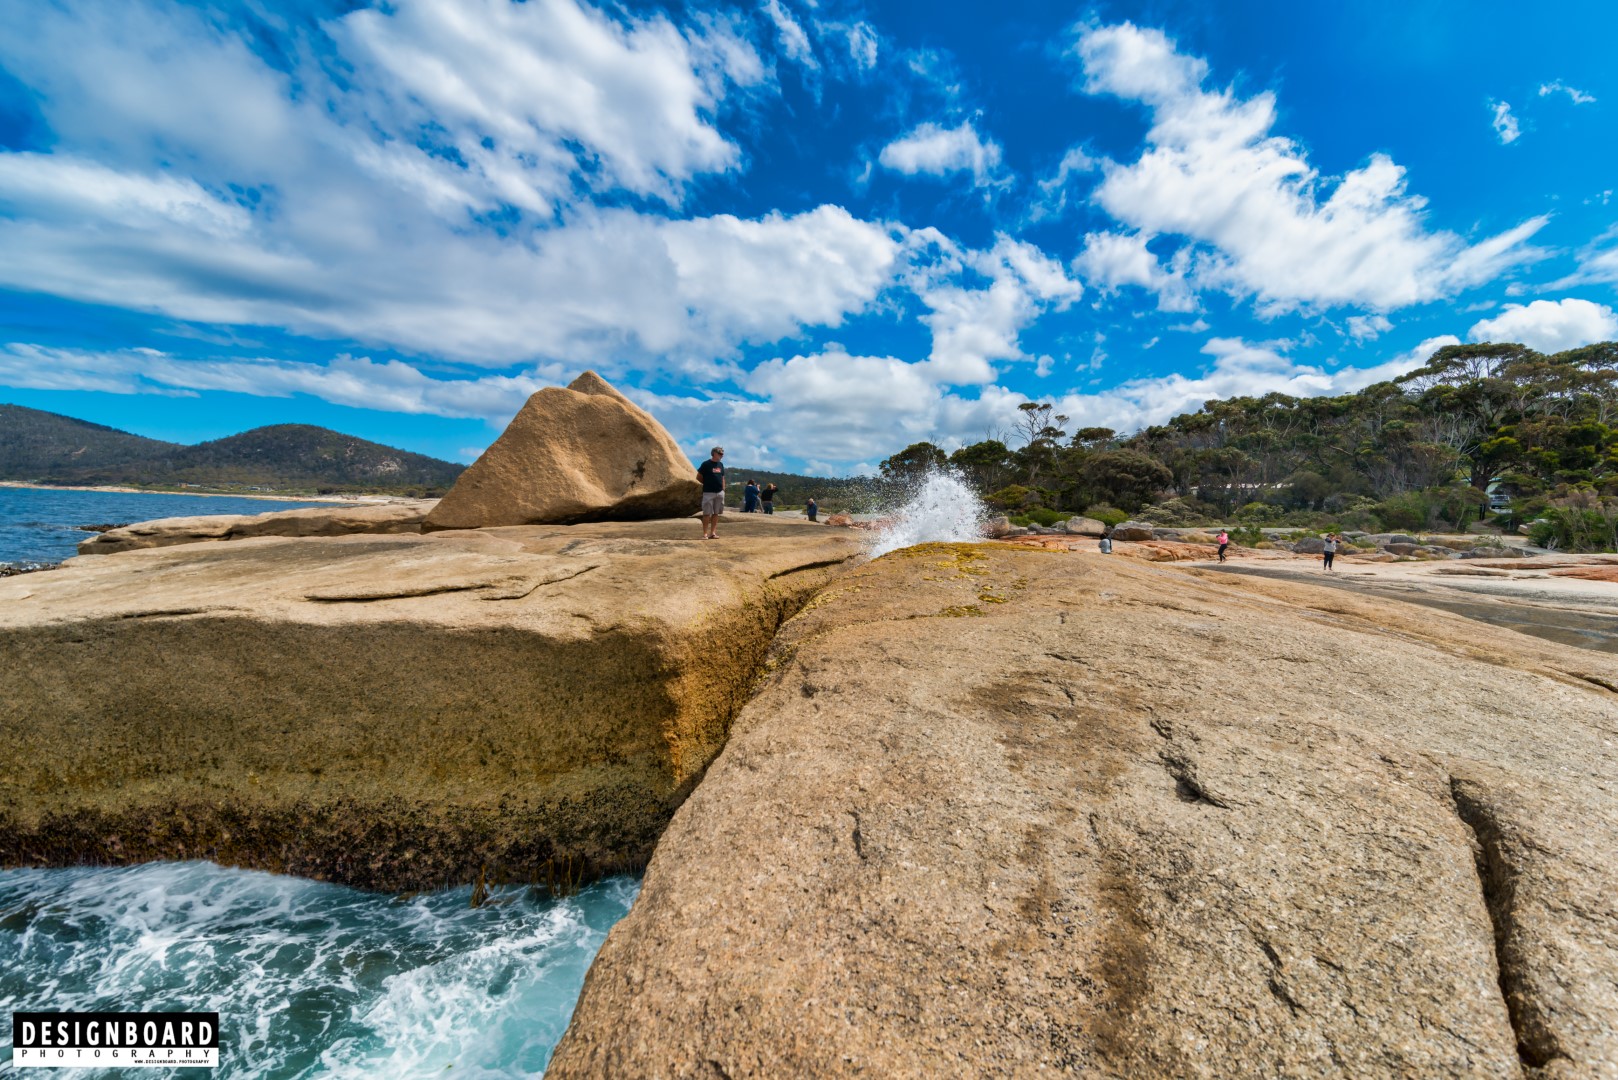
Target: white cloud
[(1240, 369), (63, 188), (1550, 326), (1598, 263), (1053, 190), (1506, 127), (512, 88), (1110, 260), (794, 42), (975, 326), (1368, 327), (939, 151), (348, 209), (862, 45), (1265, 223), (840, 411), (347, 380), (1578, 97)]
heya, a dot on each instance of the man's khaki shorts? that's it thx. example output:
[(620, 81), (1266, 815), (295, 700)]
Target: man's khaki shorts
[(713, 503)]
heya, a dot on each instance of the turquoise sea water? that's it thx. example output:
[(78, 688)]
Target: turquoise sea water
[(41, 526), (310, 980)]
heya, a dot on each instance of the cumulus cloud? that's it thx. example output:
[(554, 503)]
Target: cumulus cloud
[(1239, 369), (1550, 326), (1578, 97), (611, 287), (1506, 128), (973, 325), (1368, 327), (1264, 222), (1110, 260), (354, 208), (932, 150), (853, 410)]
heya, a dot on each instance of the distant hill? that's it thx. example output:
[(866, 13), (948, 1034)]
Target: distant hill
[(833, 494), (35, 445), (45, 447)]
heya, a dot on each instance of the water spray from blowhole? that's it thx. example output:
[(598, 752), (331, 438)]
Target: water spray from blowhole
[(939, 507)]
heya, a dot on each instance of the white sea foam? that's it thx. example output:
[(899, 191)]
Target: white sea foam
[(940, 507), (310, 980)]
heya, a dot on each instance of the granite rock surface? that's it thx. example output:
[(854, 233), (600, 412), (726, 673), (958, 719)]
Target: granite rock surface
[(1010, 812), (394, 712), (338, 519)]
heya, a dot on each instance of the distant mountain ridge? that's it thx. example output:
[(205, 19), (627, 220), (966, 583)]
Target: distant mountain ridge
[(49, 448)]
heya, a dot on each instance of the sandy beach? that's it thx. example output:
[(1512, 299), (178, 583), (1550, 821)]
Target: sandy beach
[(115, 489)]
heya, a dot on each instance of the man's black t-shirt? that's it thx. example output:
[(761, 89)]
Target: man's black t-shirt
[(713, 477)]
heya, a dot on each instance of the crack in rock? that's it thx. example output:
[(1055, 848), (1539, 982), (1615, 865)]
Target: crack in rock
[(1537, 1046)]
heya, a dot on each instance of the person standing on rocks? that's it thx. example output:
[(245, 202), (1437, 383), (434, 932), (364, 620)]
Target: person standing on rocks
[(1223, 539), (1329, 549), (750, 497), (811, 508), (712, 475), (768, 497)]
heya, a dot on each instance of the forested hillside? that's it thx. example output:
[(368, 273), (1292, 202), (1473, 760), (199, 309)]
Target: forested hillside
[(1422, 452), (35, 444), (44, 447)]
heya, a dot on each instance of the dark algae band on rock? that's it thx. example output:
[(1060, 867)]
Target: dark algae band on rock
[(394, 712), (1131, 821)]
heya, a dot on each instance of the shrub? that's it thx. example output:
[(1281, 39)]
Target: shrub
[(1039, 516), (1107, 515), (1171, 513), (1013, 499), (1259, 512)]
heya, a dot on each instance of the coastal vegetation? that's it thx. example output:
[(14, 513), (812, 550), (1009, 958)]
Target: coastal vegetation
[(1495, 433), (44, 447)]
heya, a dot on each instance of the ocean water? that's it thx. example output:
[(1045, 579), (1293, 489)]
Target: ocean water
[(940, 507), (39, 526), (309, 979)]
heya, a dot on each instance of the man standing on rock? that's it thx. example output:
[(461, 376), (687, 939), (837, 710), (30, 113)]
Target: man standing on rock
[(1328, 550), (712, 475)]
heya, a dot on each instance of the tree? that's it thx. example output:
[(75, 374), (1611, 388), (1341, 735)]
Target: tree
[(913, 462), (1041, 432), (986, 464), (1123, 478)]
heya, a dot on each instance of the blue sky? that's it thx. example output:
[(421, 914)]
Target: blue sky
[(812, 231)]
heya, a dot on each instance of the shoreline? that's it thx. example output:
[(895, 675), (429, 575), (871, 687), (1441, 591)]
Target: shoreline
[(114, 489)]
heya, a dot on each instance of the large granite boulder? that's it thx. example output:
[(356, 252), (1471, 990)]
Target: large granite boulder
[(339, 519), (1133, 530), (580, 453), (1494, 551), (1083, 526), (1011, 812), (393, 712)]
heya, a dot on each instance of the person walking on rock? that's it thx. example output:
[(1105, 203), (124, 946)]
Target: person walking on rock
[(1223, 540), (811, 508), (712, 475), (750, 498), (1329, 550), (768, 496)]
